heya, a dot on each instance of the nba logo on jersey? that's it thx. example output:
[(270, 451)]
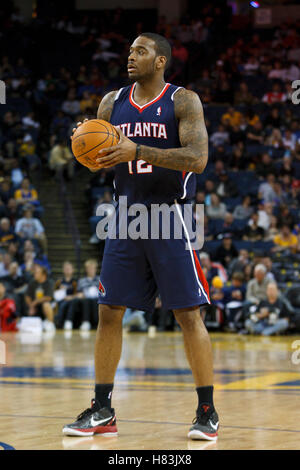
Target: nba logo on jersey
[(101, 289), (158, 112)]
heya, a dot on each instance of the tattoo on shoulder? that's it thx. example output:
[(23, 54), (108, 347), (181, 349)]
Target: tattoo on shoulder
[(193, 153), (106, 106), (186, 101)]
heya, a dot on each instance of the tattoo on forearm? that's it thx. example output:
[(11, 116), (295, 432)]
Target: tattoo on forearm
[(193, 154)]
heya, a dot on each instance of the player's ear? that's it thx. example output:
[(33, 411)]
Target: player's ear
[(161, 62)]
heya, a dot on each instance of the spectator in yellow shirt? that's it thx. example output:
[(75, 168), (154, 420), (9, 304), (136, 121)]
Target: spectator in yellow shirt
[(231, 117), (61, 158), (285, 240), (26, 193), (27, 151), (86, 101)]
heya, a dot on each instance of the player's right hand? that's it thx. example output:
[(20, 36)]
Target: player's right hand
[(77, 125)]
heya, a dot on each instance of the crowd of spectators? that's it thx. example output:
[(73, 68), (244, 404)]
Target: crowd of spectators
[(250, 188)]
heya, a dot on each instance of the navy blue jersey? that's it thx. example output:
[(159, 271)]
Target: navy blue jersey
[(155, 125)]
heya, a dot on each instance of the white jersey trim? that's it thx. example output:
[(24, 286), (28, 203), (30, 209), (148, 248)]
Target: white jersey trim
[(191, 251), (118, 94), (149, 102), (185, 184), (172, 96)]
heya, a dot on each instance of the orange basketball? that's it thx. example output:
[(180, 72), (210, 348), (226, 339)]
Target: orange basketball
[(91, 137)]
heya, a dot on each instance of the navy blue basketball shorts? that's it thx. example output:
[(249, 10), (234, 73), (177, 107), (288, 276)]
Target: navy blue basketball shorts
[(135, 271)]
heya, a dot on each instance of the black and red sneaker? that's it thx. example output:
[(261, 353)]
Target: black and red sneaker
[(94, 420), (205, 425)]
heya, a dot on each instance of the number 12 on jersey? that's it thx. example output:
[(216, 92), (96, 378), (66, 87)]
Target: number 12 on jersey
[(141, 167)]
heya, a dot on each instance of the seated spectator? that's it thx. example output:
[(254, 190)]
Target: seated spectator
[(6, 191), (273, 119), (71, 105), (272, 314), (243, 95), (257, 287), (251, 117), (265, 212), (273, 229), (229, 225), (226, 252), (7, 234), (266, 190), (61, 159), (236, 135), (16, 285), (274, 96), (255, 134), (289, 140), (27, 150), (285, 240), (31, 228), (277, 71), (38, 297), (86, 101), (275, 139), (239, 264), (220, 137), (37, 256), (265, 166), (253, 232), (26, 194), (216, 209), (226, 187), (244, 210), (212, 268), (12, 211), (5, 261), (28, 265), (251, 66), (86, 298), (285, 216), (271, 272), (219, 167), (65, 289), (234, 297), (231, 117), (240, 158), (8, 316), (209, 189)]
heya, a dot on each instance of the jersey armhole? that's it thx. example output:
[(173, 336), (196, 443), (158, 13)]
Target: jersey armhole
[(178, 88), (118, 94)]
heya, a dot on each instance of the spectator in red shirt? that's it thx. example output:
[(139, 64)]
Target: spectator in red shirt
[(274, 96), (7, 311)]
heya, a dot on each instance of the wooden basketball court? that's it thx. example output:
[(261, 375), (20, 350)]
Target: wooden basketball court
[(47, 382)]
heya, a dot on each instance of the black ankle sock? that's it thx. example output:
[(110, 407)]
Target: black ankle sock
[(205, 396), (103, 394)]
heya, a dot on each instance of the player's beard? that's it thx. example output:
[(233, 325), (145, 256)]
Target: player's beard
[(143, 77)]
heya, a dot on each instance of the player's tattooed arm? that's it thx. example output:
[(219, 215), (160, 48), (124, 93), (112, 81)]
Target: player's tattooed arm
[(106, 106), (191, 156)]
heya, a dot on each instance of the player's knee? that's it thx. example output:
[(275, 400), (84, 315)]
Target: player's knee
[(110, 315), (188, 319)]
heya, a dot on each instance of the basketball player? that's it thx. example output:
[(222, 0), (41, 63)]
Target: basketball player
[(163, 143)]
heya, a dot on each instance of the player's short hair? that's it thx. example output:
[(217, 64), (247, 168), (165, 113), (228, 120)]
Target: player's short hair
[(162, 45)]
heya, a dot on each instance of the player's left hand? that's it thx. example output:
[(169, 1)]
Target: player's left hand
[(124, 151)]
